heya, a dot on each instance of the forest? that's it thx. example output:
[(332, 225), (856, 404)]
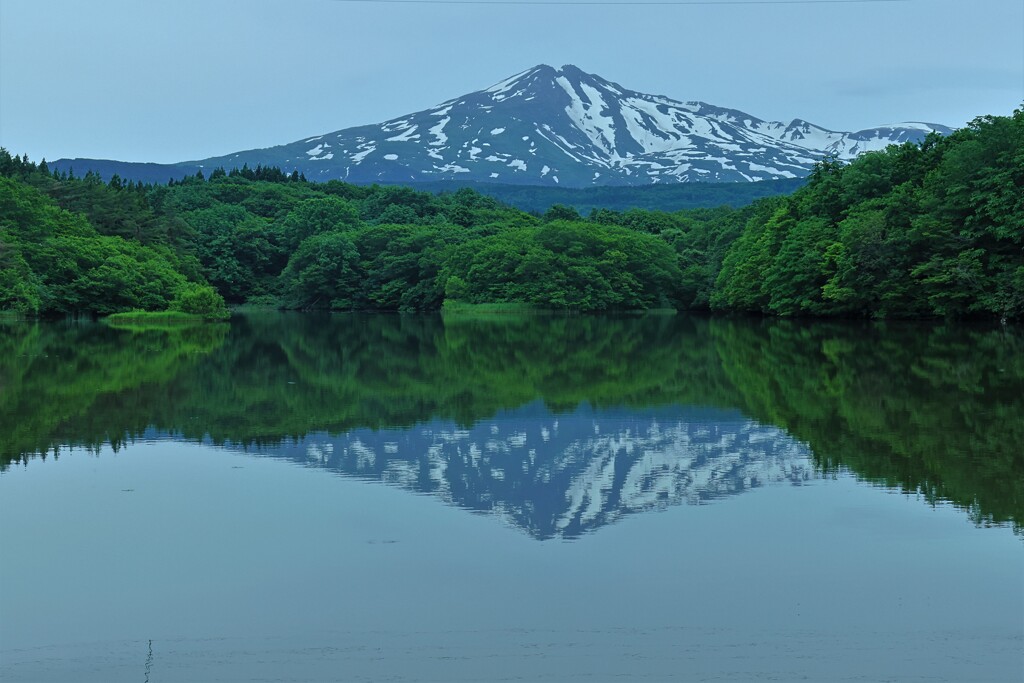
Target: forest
[(915, 231)]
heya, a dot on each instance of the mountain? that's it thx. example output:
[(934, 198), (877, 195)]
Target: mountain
[(558, 127)]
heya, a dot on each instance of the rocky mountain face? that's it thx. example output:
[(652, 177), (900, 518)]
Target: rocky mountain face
[(564, 127)]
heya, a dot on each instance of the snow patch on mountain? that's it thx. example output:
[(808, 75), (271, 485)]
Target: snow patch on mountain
[(437, 131), (593, 131), (407, 134)]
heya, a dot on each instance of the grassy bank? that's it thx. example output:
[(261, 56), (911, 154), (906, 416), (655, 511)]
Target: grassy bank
[(462, 308), (450, 306), (156, 319)]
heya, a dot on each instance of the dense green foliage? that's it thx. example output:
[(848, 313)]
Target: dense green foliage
[(56, 261), (930, 409), (260, 236), (199, 300), (566, 264), (931, 230)]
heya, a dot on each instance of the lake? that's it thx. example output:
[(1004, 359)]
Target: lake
[(296, 497)]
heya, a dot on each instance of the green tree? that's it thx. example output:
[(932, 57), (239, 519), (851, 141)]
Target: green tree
[(322, 273), (199, 299)]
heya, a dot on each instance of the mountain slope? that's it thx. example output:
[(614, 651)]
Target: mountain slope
[(568, 128)]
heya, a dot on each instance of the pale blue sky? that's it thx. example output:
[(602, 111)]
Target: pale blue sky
[(188, 79)]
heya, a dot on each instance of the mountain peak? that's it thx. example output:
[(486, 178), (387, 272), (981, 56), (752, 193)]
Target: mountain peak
[(564, 126)]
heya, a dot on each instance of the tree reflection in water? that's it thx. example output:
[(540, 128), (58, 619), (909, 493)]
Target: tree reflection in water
[(651, 410)]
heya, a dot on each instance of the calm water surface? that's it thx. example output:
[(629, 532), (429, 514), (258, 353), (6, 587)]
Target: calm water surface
[(366, 498)]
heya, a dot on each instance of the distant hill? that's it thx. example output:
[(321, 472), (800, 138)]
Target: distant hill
[(558, 128), (127, 170), (532, 198), (538, 199)]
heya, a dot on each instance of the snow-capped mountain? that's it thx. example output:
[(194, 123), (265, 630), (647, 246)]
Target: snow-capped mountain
[(548, 126), (563, 475)]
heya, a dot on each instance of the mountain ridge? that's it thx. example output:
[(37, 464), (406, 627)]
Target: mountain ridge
[(561, 127)]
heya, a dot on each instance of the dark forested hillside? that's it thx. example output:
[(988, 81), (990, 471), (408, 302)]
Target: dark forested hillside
[(663, 197), (935, 229), (530, 198)]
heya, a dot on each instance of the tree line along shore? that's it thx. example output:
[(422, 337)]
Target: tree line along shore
[(934, 229)]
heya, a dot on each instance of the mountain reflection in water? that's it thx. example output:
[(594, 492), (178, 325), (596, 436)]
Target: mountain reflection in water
[(560, 475), (558, 424)]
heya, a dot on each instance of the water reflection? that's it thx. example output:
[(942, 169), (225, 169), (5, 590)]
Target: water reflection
[(559, 424), (560, 475)]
